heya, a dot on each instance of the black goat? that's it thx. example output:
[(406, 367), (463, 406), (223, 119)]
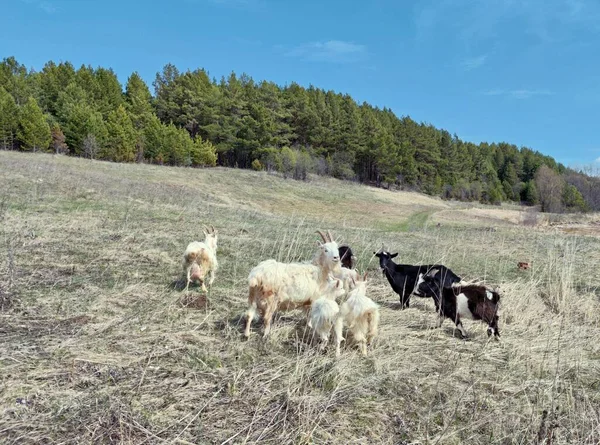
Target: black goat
[(456, 301), (403, 277), (346, 257)]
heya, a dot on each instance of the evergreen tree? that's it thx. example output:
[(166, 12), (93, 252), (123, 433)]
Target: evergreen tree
[(33, 131), (203, 153), (573, 200), (121, 144), (138, 101), (9, 118)]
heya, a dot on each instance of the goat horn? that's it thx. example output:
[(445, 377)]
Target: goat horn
[(330, 237), (322, 236), (212, 228)]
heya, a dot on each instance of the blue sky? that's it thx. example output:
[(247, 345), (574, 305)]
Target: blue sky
[(521, 71)]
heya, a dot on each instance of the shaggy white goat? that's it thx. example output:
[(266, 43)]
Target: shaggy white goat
[(361, 315), (349, 277), (200, 258), (285, 286), (325, 314)]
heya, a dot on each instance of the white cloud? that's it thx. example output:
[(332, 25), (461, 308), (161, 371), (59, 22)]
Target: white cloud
[(474, 62), (329, 51), (518, 94)]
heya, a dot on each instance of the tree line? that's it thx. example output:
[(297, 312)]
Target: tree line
[(193, 120)]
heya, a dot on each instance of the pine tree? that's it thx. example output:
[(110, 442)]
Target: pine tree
[(9, 118), (138, 101), (203, 153), (33, 132), (573, 199), (121, 144)]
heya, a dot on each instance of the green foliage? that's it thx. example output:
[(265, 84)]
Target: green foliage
[(342, 165), (256, 165), (17, 81), (304, 165), (138, 101), (573, 199), (33, 132), (9, 113), (121, 144), (288, 162), (270, 158), (529, 194), (203, 153), (198, 121)]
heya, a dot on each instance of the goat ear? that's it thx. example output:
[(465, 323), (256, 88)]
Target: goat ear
[(365, 277), (394, 255)]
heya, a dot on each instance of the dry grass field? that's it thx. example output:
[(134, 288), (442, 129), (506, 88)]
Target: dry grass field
[(99, 344)]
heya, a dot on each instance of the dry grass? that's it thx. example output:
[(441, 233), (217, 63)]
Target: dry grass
[(99, 345)]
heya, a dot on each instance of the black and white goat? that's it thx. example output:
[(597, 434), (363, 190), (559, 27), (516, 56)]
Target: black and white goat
[(461, 301), (403, 277)]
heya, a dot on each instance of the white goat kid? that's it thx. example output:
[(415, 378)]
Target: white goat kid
[(361, 315), (285, 286), (200, 258), (325, 315)]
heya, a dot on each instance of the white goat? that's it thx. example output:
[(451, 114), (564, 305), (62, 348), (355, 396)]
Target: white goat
[(361, 315), (325, 314), (349, 277), (285, 286), (200, 258)]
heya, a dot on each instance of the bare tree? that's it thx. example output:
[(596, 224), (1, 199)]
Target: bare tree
[(90, 146), (550, 187)]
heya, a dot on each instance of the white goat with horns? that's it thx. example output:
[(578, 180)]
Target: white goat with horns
[(200, 258), (285, 286)]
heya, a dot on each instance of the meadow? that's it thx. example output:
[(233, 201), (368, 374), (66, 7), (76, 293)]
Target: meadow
[(98, 343)]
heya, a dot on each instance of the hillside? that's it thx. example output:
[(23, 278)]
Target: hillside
[(195, 120), (98, 344)]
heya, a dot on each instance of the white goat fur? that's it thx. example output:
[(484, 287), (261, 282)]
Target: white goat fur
[(285, 286), (325, 314), (349, 277), (361, 315), (200, 258)]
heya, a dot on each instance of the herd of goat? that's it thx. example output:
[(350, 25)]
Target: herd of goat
[(317, 286)]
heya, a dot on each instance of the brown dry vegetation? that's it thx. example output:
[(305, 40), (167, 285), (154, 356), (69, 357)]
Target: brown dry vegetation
[(98, 344)]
